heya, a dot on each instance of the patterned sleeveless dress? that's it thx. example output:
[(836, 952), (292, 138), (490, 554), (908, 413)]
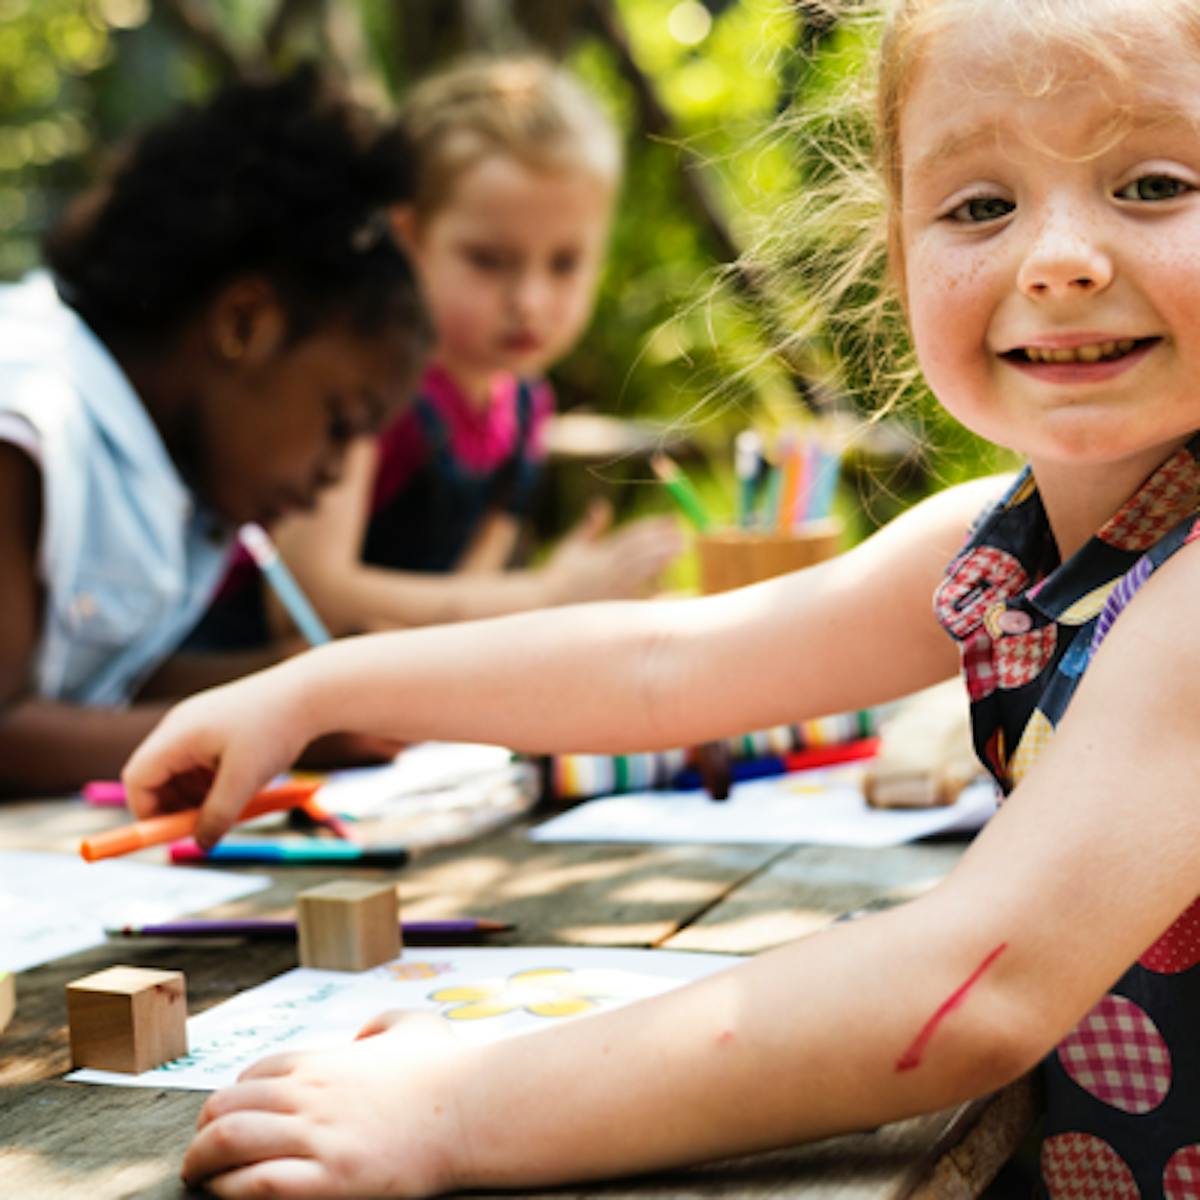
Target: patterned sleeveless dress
[(1123, 1088)]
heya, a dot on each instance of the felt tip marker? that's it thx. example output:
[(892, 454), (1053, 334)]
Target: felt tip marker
[(294, 854), (170, 827)]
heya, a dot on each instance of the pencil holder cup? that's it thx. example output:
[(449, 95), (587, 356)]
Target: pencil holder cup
[(732, 558)]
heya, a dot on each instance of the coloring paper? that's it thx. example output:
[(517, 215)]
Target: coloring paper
[(825, 808), (56, 904), (483, 994)]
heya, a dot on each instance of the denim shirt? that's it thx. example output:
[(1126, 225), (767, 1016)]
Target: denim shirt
[(126, 559)]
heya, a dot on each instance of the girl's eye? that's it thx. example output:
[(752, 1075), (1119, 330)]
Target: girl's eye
[(982, 208), (1154, 187), (564, 264), (341, 428), (485, 260)]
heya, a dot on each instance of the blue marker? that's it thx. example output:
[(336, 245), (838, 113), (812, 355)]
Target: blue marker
[(282, 854), (259, 546)]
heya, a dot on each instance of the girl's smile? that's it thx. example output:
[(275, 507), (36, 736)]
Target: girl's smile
[(1050, 228), (1079, 358)]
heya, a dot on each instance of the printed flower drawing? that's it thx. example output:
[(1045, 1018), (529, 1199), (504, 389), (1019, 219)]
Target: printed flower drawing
[(544, 992)]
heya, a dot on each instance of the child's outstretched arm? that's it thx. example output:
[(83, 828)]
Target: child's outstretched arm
[(604, 677), (322, 549), (906, 1011)]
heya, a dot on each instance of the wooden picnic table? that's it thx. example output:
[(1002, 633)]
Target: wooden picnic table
[(61, 1140)]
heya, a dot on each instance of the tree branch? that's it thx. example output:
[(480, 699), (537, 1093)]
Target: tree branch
[(657, 122)]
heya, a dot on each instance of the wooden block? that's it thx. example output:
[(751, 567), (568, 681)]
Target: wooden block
[(926, 755), (127, 1019), (8, 997), (348, 926)]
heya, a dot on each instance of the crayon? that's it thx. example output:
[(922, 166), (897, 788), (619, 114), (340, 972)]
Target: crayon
[(173, 826), (271, 928), (317, 852), (681, 491), (259, 546)]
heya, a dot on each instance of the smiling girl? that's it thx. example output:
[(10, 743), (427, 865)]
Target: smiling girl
[(1042, 164)]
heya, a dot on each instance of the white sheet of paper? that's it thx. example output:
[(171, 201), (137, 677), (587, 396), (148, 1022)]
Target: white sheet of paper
[(56, 904), (483, 994), (415, 771), (824, 807)]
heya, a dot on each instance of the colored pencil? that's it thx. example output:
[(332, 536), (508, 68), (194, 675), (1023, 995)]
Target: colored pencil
[(259, 546), (680, 489), (283, 928), (747, 463)]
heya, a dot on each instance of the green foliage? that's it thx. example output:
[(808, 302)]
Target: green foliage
[(673, 338)]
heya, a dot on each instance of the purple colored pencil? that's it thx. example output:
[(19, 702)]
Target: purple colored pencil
[(258, 927)]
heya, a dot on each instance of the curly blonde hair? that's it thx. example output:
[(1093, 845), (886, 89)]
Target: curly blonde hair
[(833, 255)]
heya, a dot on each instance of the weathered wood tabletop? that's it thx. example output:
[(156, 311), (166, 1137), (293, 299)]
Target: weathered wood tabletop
[(65, 1140)]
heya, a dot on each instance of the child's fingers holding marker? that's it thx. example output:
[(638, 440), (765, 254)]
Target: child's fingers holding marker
[(214, 750)]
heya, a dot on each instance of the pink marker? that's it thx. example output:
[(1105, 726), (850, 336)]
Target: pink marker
[(106, 793)]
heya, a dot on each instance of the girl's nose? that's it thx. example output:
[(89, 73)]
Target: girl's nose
[(1064, 261), (530, 293)]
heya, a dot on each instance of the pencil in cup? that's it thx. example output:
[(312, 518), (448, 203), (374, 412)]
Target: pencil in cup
[(733, 558)]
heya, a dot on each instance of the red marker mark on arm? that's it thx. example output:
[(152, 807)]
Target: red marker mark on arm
[(912, 1056)]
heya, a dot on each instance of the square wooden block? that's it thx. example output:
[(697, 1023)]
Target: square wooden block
[(348, 926), (127, 1019), (8, 997)]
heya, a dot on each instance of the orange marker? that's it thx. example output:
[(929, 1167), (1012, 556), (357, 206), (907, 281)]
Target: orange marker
[(170, 827)]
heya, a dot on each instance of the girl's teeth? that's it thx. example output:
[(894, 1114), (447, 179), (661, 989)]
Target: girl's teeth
[(1086, 354)]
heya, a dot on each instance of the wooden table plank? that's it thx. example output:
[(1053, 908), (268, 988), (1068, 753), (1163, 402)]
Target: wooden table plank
[(805, 887), (103, 1143)]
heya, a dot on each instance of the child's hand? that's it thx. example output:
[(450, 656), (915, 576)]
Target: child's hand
[(376, 1118), (217, 749), (590, 565)]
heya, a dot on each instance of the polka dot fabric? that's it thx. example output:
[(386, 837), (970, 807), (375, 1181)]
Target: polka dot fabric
[(1123, 1087), (1178, 949)]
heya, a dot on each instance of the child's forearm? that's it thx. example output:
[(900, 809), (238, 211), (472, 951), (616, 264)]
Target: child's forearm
[(574, 678), (371, 599), (48, 748), (800, 1043)]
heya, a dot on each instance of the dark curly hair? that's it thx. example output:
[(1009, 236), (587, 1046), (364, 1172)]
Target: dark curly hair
[(287, 180)]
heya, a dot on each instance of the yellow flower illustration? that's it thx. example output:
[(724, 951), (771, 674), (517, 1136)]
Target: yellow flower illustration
[(418, 970), (544, 992)]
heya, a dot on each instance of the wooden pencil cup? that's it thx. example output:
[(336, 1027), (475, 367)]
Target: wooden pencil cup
[(732, 558)]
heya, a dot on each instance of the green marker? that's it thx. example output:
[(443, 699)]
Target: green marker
[(682, 492)]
